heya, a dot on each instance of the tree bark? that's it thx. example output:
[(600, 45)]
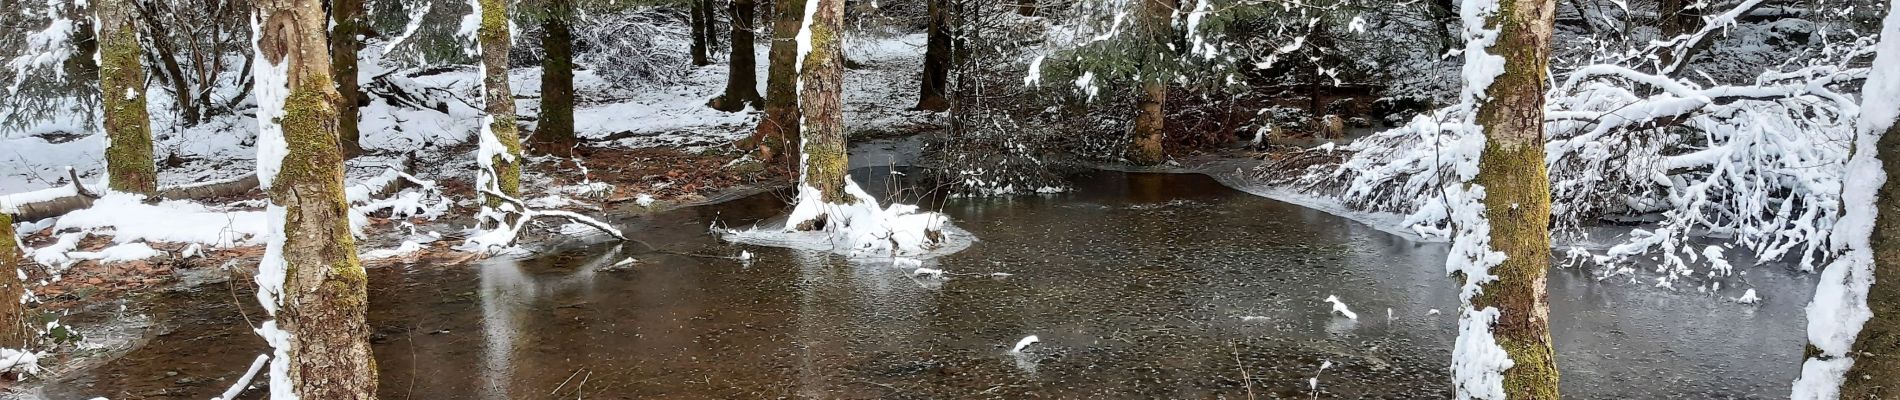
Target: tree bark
[(554, 132), (1875, 373), (778, 131), (346, 39), (167, 58), (499, 99), (324, 298), (1517, 197), (14, 332), (128, 126), (1876, 370), (823, 107), (712, 26), (1674, 19), (1157, 25), (936, 79), (742, 76), (1027, 8), (699, 48)]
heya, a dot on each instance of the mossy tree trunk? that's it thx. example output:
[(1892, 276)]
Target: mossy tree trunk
[(778, 131), (742, 76), (324, 299), (822, 106), (699, 48), (122, 91), (935, 84), (554, 132), (14, 332), (499, 99), (1517, 197), (1876, 370), (1157, 25), (349, 24)]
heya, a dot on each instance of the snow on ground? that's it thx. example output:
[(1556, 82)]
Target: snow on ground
[(862, 230)]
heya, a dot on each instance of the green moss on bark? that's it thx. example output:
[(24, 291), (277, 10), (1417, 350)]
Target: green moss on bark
[(1517, 199), (122, 91), (500, 100), (778, 132), (13, 328), (826, 164)]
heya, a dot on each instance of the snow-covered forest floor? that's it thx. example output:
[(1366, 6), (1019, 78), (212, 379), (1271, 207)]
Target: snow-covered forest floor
[(644, 150)]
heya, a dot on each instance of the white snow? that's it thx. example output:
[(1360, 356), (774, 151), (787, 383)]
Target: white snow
[(860, 230), (1024, 343), (1340, 308), (1840, 301), (119, 253), (128, 219)]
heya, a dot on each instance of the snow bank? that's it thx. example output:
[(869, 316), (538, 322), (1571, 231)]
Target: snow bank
[(128, 219), (860, 230), (1840, 306)]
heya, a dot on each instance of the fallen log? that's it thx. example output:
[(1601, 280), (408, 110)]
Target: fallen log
[(77, 197)]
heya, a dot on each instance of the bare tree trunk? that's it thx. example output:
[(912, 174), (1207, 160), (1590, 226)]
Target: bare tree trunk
[(14, 332), (122, 89), (700, 27), (742, 76), (712, 26), (554, 132), (167, 57), (1027, 8), (778, 131), (1447, 23), (936, 79), (324, 299), (500, 99), (822, 106), (1157, 25), (1517, 197), (349, 25)]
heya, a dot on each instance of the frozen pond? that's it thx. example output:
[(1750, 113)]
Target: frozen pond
[(1138, 286)]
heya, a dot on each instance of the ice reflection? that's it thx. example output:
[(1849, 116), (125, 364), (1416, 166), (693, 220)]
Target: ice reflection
[(511, 299)]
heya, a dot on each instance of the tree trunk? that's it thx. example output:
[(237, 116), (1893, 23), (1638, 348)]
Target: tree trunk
[(778, 131), (822, 106), (349, 25), (167, 57), (554, 132), (14, 333), (936, 80), (1446, 22), (324, 298), (1151, 111), (1875, 373), (1674, 19), (1026, 8), (742, 76), (699, 33), (712, 26), (1517, 197), (499, 101), (122, 88)]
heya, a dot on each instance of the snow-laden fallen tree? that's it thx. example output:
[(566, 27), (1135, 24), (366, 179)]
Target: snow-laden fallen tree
[(1760, 164)]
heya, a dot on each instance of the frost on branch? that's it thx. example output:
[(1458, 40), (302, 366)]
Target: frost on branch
[(1759, 164)]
